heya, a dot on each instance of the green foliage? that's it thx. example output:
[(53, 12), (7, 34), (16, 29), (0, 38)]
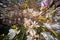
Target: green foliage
[(22, 34)]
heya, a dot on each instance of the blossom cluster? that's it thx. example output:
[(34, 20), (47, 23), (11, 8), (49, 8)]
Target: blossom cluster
[(33, 19)]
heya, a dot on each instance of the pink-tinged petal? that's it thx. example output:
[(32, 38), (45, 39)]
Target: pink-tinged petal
[(46, 3)]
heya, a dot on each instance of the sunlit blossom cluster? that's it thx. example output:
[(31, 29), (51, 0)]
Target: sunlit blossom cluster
[(33, 19)]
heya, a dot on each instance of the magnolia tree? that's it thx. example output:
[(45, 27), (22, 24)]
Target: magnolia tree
[(31, 23)]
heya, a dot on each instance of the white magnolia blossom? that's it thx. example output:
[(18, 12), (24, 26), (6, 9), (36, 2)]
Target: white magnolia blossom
[(45, 35), (12, 33), (48, 26), (31, 31), (40, 12), (48, 36), (30, 24), (29, 38), (55, 26), (35, 24), (27, 22)]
